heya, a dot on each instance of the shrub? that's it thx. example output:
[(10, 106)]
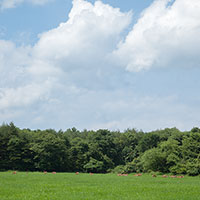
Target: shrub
[(193, 168)]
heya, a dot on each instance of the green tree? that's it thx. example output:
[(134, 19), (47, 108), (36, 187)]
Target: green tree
[(148, 141), (20, 154), (6, 133), (78, 154), (50, 152), (154, 160)]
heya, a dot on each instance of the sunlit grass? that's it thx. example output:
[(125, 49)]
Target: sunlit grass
[(69, 186)]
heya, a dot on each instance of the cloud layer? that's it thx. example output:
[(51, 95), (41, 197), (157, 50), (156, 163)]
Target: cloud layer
[(5, 4), (78, 74)]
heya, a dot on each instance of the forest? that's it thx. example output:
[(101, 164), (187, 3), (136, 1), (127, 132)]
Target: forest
[(166, 151)]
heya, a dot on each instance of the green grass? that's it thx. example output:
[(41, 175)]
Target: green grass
[(68, 186)]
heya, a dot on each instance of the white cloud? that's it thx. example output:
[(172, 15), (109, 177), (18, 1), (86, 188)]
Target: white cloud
[(13, 63), (19, 86), (91, 31), (167, 33), (5, 4), (62, 57), (80, 46), (23, 96)]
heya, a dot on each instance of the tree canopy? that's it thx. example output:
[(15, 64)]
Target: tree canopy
[(167, 151)]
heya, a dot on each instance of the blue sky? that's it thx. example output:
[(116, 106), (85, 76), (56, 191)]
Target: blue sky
[(100, 64)]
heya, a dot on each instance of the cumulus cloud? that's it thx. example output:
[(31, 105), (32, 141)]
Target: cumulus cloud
[(80, 46), (167, 33), (5, 4), (91, 31)]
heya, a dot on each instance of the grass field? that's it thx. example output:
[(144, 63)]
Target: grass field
[(69, 186)]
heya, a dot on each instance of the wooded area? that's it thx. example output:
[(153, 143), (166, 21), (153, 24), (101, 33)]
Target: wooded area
[(101, 151)]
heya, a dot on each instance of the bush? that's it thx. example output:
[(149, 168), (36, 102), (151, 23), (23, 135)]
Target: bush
[(94, 166), (178, 169), (154, 160), (118, 170), (193, 168)]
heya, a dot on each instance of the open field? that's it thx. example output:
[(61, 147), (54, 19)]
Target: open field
[(69, 186)]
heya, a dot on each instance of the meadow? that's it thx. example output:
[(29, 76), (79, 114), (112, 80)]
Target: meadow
[(69, 186)]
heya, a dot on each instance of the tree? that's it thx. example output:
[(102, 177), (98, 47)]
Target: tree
[(172, 151), (20, 153), (50, 152), (78, 154), (6, 134), (148, 141), (154, 160)]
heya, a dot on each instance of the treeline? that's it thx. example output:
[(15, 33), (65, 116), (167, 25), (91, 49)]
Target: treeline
[(165, 151)]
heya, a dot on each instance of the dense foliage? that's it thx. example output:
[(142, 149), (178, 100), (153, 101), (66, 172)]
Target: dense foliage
[(165, 151)]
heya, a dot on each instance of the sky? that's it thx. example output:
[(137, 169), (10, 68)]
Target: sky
[(107, 64)]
